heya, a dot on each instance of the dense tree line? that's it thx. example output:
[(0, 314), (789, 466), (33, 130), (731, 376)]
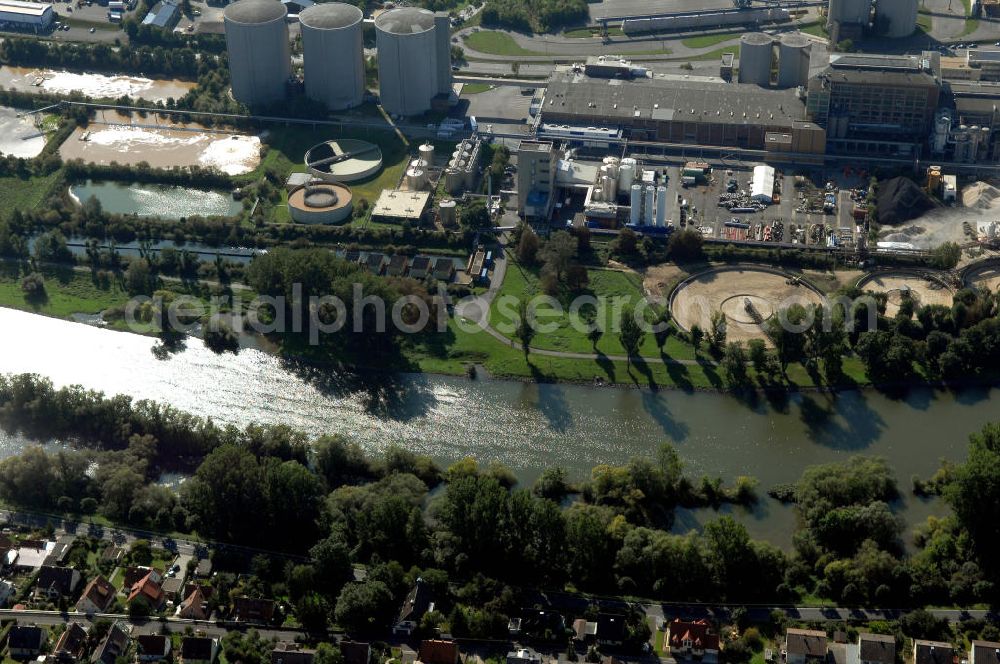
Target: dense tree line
[(543, 16)]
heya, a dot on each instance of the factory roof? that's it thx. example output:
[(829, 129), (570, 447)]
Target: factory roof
[(978, 56), (875, 61), (330, 16), (163, 14), (255, 11), (25, 8), (672, 99), (405, 21), (398, 204), (893, 77)]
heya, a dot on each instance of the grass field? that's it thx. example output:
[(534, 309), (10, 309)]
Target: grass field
[(816, 29), (704, 41), (69, 293), (584, 33), (28, 193), (716, 54), (496, 43), (476, 88)]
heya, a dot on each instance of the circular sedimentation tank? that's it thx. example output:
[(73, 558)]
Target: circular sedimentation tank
[(260, 62), (321, 203), (333, 54), (344, 160)]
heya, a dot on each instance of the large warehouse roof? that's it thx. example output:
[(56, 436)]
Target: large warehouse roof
[(24, 8), (672, 99)]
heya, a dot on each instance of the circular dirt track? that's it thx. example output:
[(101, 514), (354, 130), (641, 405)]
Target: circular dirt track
[(985, 276), (922, 288), (730, 290)]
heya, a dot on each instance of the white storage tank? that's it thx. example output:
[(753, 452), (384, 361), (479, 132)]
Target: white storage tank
[(898, 16), (260, 61), (608, 188), (626, 173), (415, 178), (793, 60), (661, 206), (755, 58), (635, 214), (448, 212), (426, 152), (333, 54), (407, 60), (647, 210), (453, 180)]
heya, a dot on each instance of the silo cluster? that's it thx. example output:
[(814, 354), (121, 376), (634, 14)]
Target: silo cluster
[(414, 55), (414, 61), (260, 60), (332, 47), (793, 60), (757, 59)]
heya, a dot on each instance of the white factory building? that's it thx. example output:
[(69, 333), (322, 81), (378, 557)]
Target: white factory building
[(762, 185), (18, 15)]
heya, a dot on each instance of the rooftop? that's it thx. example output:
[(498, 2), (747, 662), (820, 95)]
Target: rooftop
[(811, 643), (405, 21), (397, 204), (25, 8), (672, 99), (932, 652), (534, 146), (877, 648), (330, 16), (255, 11)]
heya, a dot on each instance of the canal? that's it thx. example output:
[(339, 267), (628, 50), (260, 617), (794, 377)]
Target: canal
[(526, 426)]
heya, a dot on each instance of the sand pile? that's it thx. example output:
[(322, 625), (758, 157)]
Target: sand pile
[(901, 199), (980, 196)]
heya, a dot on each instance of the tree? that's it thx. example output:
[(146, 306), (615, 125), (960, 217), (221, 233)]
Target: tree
[(33, 287), (220, 337), (734, 364), (552, 484), (525, 329), (364, 607), (685, 245), (139, 278), (626, 244), (577, 277), (630, 335), (788, 342), (717, 334), (332, 561), (594, 333), (527, 246), (697, 336), (327, 654), (474, 216), (557, 253), (312, 612), (758, 356), (974, 493)]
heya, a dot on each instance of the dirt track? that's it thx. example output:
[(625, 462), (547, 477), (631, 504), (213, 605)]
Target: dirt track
[(987, 277), (922, 290)]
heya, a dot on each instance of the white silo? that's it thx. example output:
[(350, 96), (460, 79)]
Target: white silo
[(626, 173), (635, 213), (793, 60), (608, 188), (897, 17), (407, 60), (661, 206), (333, 54), (755, 58), (647, 209), (426, 153), (260, 61)]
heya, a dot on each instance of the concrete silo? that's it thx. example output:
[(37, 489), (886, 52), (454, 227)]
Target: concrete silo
[(332, 54), (407, 60), (897, 17), (755, 58), (442, 38), (793, 60), (852, 12), (260, 62)]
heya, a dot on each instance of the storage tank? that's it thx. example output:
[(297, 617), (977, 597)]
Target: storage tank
[(755, 58), (933, 178), (415, 178), (442, 43), (848, 11), (260, 61), (793, 60), (608, 189), (426, 153), (333, 54), (448, 212), (647, 210), (898, 16), (942, 128), (635, 214), (407, 60), (453, 180), (661, 206), (626, 173)]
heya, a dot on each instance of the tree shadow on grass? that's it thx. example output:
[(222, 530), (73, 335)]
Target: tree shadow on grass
[(606, 365), (643, 368), (678, 374)]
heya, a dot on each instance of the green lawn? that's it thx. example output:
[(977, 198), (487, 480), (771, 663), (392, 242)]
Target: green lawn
[(476, 88), (496, 43), (704, 41), (68, 293), (584, 33), (816, 29), (716, 54), (27, 193)]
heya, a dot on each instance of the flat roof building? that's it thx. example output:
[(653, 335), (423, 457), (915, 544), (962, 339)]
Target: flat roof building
[(401, 205), (33, 15)]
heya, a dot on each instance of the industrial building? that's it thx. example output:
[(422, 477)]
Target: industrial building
[(703, 20), (17, 15), (536, 177), (332, 53), (259, 53), (414, 60), (164, 15)]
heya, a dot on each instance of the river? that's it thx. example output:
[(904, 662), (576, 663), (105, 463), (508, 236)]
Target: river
[(526, 426)]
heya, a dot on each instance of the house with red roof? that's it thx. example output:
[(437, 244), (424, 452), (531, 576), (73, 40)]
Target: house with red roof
[(149, 590), (693, 639)]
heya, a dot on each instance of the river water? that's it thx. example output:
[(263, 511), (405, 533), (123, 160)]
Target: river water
[(156, 200), (526, 426)]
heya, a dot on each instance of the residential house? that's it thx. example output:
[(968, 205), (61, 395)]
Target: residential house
[(437, 651), (876, 648), (523, 656), (60, 549), (7, 591), (610, 629), (805, 645), (134, 575), (420, 267), (113, 554), (417, 603), (56, 582), (352, 256), (152, 647), (291, 653), (932, 652), (25, 641), (72, 644), (253, 610), (444, 269), (694, 639), (198, 649), (584, 631), (194, 606), (172, 587), (356, 652), (98, 597), (31, 555), (397, 265), (984, 652), (204, 568), (147, 589), (375, 262), (113, 646)]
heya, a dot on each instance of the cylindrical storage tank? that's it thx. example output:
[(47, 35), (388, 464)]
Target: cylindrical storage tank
[(427, 153), (415, 178), (661, 206), (453, 180), (849, 11), (933, 180), (635, 214), (647, 209), (418, 163), (333, 54), (898, 16), (260, 60), (608, 188), (755, 58), (407, 60), (448, 212), (793, 60), (626, 175), (324, 203)]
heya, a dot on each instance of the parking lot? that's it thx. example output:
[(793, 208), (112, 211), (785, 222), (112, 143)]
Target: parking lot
[(505, 108)]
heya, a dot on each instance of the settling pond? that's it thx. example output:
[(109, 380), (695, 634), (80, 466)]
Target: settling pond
[(526, 426), (156, 200)]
